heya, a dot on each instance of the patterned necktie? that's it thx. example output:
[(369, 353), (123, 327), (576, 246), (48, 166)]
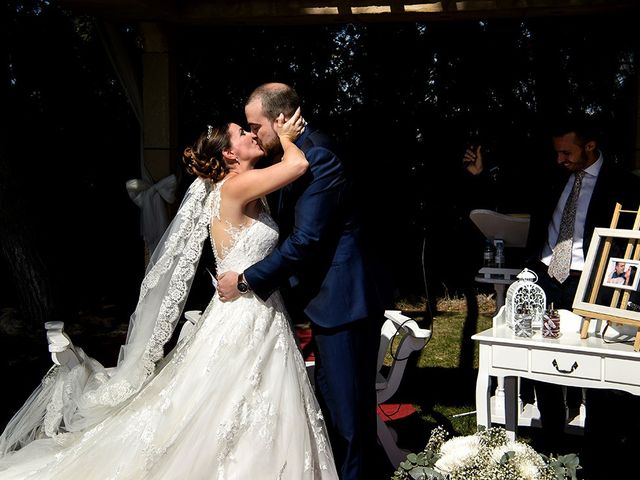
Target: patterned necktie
[(562, 252)]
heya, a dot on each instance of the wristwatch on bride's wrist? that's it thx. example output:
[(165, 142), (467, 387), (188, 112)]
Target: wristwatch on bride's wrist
[(243, 286)]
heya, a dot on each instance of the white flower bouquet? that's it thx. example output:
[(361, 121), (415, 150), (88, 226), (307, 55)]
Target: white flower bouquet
[(486, 455)]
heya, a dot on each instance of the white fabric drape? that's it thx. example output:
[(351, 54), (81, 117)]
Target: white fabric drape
[(151, 199)]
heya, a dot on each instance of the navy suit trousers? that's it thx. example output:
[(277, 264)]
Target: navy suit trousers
[(345, 379)]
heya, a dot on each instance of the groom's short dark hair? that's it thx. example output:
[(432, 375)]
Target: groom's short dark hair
[(584, 127), (276, 98)]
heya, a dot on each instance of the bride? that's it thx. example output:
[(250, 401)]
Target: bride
[(232, 401)]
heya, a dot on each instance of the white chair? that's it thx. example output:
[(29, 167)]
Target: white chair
[(191, 317), (60, 346), (411, 338)]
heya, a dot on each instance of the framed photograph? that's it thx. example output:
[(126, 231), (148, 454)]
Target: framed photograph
[(621, 273), (599, 288)]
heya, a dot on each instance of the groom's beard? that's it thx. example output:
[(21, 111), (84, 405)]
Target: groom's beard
[(274, 155), (264, 162)]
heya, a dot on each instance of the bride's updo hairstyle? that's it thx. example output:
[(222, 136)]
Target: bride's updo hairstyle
[(204, 157)]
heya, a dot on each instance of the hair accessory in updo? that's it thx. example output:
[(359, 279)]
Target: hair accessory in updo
[(204, 158)]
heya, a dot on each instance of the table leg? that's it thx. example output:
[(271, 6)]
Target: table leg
[(499, 397), (483, 393), (511, 406)]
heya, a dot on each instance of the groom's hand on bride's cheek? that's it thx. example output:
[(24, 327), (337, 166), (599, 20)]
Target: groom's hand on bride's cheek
[(228, 286)]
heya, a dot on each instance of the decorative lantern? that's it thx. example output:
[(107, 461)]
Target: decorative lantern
[(524, 295)]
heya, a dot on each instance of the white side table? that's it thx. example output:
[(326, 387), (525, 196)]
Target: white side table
[(568, 360)]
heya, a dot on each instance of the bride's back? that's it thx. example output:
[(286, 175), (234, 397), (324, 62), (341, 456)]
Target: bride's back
[(240, 235)]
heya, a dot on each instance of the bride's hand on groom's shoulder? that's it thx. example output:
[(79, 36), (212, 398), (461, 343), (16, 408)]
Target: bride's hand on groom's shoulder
[(290, 129)]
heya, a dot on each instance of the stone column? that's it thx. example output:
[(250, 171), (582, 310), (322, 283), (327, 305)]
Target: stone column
[(159, 101)]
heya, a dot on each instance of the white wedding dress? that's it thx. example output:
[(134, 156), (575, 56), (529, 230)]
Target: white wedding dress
[(232, 401)]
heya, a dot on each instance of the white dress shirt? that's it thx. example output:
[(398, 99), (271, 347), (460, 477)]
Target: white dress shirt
[(588, 184)]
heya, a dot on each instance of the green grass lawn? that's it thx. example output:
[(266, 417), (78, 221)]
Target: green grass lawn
[(440, 380), (444, 354)]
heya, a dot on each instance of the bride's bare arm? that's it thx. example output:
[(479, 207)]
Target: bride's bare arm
[(256, 183)]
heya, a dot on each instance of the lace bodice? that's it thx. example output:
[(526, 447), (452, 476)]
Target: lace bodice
[(244, 245)]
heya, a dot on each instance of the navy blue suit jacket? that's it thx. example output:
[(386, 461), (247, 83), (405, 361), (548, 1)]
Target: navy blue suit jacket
[(321, 254)]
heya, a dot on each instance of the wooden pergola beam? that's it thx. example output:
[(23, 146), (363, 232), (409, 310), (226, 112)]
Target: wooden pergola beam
[(247, 12)]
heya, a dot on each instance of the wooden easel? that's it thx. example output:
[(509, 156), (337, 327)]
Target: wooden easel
[(632, 252)]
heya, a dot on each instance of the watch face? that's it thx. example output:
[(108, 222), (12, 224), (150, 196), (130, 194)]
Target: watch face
[(243, 287)]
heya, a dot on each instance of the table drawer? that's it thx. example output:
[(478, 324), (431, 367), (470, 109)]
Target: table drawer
[(565, 364), (513, 358), (621, 371)]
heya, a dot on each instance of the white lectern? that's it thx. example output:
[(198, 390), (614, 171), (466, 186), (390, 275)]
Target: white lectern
[(513, 230)]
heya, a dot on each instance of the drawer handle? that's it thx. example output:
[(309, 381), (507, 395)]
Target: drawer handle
[(573, 367)]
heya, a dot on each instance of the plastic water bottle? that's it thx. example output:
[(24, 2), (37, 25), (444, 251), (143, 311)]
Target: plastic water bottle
[(488, 257), (499, 255)]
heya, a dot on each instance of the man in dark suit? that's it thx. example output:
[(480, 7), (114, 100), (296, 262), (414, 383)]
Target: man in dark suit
[(604, 184), (323, 265)]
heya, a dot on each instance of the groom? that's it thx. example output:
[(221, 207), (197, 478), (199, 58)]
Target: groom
[(322, 262)]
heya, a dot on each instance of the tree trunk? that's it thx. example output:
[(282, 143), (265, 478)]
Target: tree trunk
[(25, 270), (27, 274)]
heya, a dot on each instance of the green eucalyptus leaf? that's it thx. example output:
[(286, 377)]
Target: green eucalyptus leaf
[(418, 473), (570, 465), (425, 473), (432, 457), (569, 460), (507, 456), (406, 465)]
